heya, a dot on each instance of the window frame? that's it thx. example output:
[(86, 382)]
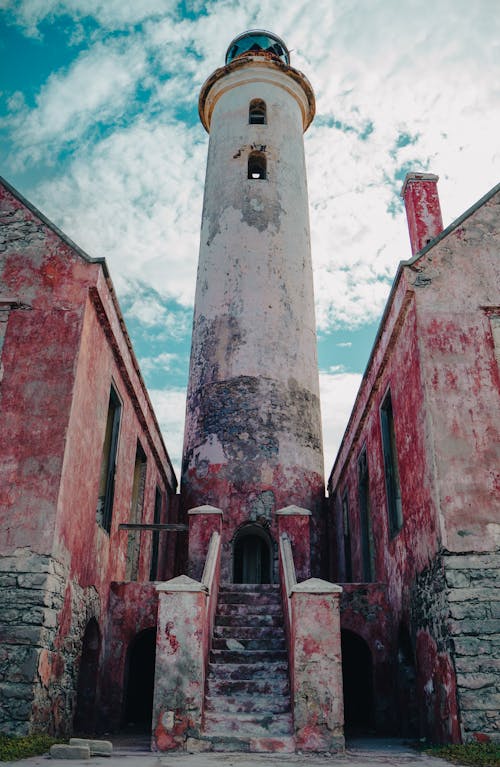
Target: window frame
[(391, 465)]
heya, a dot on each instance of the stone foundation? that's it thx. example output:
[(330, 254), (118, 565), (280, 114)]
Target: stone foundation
[(456, 626), (474, 607), (42, 620)]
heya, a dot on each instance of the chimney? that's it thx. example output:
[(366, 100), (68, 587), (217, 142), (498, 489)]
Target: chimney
[(422, 209)]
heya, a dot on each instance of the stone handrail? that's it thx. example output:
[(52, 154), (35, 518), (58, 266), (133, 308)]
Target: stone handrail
[(288, 577), (211, 579)]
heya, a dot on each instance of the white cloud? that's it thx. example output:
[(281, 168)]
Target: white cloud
[(344, 344), (164, 362), (338, 392)]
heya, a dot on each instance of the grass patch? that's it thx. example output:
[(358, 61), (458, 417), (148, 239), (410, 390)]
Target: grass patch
[(13, 747), (474, 754)]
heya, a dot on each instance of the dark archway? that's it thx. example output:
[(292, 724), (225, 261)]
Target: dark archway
[(140, 680), (85, 711), (357, 678), (252, 555)]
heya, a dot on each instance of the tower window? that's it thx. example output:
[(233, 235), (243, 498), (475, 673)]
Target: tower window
[(257, 112), (257, 165)]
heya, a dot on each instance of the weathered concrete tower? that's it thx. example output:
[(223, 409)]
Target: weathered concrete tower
[(253, 441)]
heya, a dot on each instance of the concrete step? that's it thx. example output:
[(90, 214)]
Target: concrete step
[(247, 656), (245, 703), (249, 671), (265, 644), (255, 619), (249, 632), (248, 725), (271, 685), (236, 608), (249, 597), (254, 587), (284, 744)]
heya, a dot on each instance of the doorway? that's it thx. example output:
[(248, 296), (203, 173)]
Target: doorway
[(357, 678), (85, 711), (140, 680), (252, 556)]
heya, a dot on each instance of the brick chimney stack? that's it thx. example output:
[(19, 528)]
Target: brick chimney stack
[(422, 209)]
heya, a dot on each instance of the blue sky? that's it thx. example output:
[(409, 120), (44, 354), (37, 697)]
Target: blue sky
[(99, 129)]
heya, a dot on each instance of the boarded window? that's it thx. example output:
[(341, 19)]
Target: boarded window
[(391, 471), (136, 508), (108, 462), (257, 112), (153, 571), (347, 539), (257, 166), (367, 553)]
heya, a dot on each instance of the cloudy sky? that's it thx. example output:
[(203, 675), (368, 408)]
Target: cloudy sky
[(99, 129)]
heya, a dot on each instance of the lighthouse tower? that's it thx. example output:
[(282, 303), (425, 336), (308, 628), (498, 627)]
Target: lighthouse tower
[(252, 444)]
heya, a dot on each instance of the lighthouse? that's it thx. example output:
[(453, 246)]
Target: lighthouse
[(253, 443)]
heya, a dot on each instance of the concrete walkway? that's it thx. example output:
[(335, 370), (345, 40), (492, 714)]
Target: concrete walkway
[(359, 753)]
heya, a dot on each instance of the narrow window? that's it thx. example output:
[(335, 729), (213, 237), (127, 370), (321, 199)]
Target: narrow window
[(257, 165), (257, 112), (347, 539), (108, 462), (153, 571), (365, 521), (391, 471), (136, 508)]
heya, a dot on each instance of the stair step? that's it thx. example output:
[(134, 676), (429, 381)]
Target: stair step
[(264, 645), (272, 685), (248, 725), (248, 671), (254, 587), (283, 744), (250, 598), (259, 620), (249, 632), (248, 704), (247, 656), (236, 608)]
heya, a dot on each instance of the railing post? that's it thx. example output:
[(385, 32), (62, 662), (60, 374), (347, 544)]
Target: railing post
[(203, 521), (295, 522)]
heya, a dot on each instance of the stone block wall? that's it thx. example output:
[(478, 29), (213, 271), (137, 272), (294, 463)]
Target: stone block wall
[(456, 627), (473, 581), (42, 621)]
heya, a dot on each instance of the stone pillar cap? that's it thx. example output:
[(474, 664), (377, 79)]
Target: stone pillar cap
[(181, 583), (205, 510), (316, 586), (289, 511)]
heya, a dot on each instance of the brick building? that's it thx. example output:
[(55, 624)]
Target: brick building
[(81, 452), (415, 493)]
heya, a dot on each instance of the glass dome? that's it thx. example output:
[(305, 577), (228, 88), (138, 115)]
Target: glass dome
[(258, 41)]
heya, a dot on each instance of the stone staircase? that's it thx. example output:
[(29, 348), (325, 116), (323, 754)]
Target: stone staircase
[(247, 705)]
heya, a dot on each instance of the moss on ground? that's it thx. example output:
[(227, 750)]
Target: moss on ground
[(12, 747), (474, 754)]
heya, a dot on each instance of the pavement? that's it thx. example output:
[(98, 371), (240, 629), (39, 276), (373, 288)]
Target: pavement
[(359, 753)]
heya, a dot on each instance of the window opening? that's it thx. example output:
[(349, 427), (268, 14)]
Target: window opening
[(155, 545), (136, 509), (391, 470), (365, 519), (108, 462), (257, 166), (347, 539), (257, 113)]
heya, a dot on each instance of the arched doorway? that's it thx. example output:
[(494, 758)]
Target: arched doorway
[(85, 711), (140, 680), (357, 678), (252, 555)]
